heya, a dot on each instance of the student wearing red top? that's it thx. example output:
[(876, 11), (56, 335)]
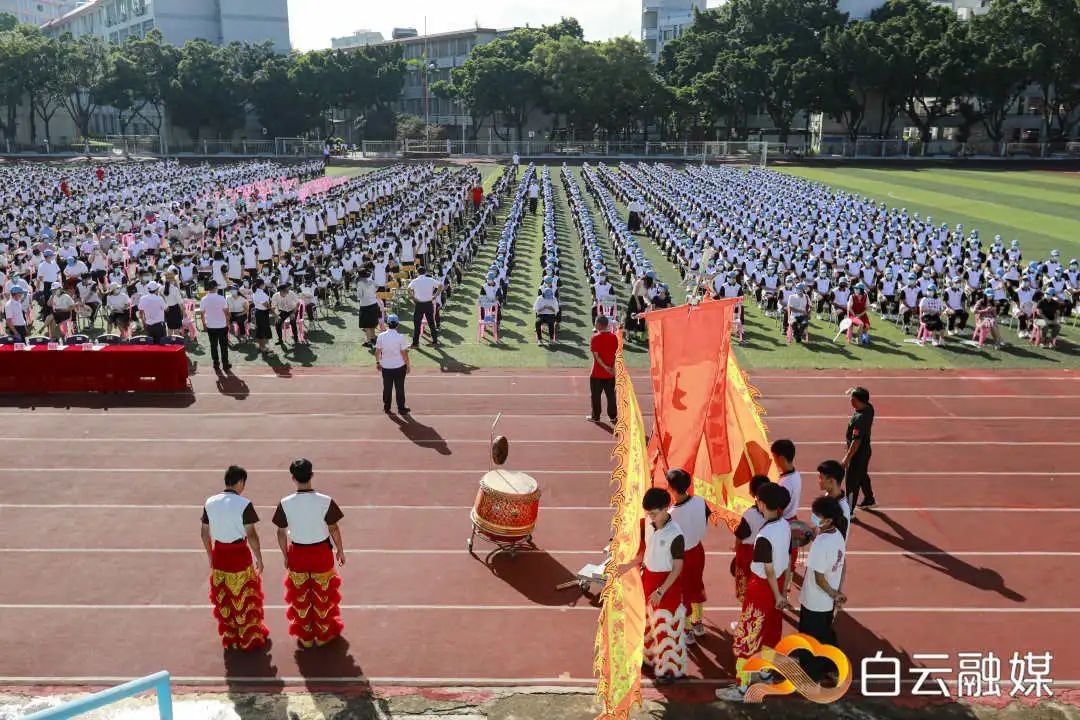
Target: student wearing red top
[(477, 196), (604, 345)]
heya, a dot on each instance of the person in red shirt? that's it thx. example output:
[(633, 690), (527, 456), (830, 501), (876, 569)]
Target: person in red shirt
[(604, 345), (100, 172), (477, 196)]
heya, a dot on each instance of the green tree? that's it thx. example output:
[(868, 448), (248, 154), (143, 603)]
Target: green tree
[(498, 80), (1053, 57), (85, 71), (571, 72), (140, 71), (997, 73), (45, 87), (205, 91), (860, 74), (19, 44), (925, 44)]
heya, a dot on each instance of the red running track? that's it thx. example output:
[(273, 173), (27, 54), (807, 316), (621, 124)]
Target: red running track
[(104, 576)]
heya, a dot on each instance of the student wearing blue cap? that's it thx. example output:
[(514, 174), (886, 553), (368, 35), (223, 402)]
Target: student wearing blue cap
[(14, 316), (546, 308), (392, 360)]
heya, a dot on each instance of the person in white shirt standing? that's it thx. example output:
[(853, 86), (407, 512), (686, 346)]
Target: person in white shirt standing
[(392, 360), (422, 289), (235, 555), (691, 513), (215, 321), (534, 196), (152, 312), (821, 588), (783, 452), (306, 523), (14, 316), (260, 301)]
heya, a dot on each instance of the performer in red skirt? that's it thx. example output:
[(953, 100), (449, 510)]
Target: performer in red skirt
[(661, 560), (691, 513), (751, 522), (306, 522), (761, 620), (232, 546)]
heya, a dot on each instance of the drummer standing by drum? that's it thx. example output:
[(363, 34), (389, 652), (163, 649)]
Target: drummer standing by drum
[(306, 523), (660, 558)]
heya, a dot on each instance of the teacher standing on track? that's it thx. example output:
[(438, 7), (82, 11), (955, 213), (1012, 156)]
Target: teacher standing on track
[(856, 460)]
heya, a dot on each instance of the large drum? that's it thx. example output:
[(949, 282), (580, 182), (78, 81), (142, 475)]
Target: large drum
[(507, 505)]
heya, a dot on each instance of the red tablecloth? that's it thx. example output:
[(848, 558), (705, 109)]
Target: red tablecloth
[(114, 368)]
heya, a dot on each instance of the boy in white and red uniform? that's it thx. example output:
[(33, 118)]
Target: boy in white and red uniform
[(661, 559), (751, 522), (692, 515), (783, 452)]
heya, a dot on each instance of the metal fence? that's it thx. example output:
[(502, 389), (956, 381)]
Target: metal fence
[(900, 148), (754, 151), (159, 683)]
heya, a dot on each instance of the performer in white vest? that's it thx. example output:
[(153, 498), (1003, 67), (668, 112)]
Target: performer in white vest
[(660, 558), (232, 546), (306, 523), (691, 514)]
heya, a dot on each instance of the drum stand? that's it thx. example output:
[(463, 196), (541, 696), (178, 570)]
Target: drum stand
[(510, 546)]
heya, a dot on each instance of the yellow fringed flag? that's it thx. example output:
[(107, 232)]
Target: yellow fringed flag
[(748, 448), (620, 637)]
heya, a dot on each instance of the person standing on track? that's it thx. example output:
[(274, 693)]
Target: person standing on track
[(783, 452), (691, 513), (392, 360), (821, 589), (604, 346), (831, 481), (856, 462), (232, 547), (762, 617), (306, 523)]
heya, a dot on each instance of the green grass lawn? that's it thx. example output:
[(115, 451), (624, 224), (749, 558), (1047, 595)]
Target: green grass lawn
[(1041, 209)]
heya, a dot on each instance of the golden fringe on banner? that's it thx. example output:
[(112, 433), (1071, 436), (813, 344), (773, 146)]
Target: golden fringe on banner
[(620, 635)]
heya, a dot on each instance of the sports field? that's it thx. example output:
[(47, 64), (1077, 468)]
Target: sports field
[(1039, 208)]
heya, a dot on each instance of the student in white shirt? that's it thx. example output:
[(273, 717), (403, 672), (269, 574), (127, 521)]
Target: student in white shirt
[(61, 304), (546, 308), (119, 304), (783, 452), (423, 289), (14, 316), (260, 301), (284, 303), (152, 312), (392, 360), (215, 321), (369, 305), (821, 588), (238, 311), (831, 482)]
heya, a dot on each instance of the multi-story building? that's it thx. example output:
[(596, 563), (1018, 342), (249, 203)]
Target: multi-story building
[(219, 21), (36, 12), (360, 38), (434, 57), (664, 20), (965, 9)]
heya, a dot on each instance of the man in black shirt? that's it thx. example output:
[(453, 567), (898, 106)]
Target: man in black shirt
[(856, 462)]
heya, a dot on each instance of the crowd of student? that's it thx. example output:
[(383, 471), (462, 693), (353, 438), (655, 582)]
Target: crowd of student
[(798, 247), (151, 248)]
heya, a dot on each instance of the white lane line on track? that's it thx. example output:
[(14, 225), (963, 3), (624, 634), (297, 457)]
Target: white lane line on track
[(546, 508), (855, 377), (533, 608), (935, 474), (105, 414), (595, 553), (505, 395), (643, 374), (486, 441)]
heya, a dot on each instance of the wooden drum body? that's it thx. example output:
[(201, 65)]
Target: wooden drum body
[(507, 505)]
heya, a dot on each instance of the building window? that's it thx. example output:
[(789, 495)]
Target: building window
[(147, 26), (139, 7), (114, 37)]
